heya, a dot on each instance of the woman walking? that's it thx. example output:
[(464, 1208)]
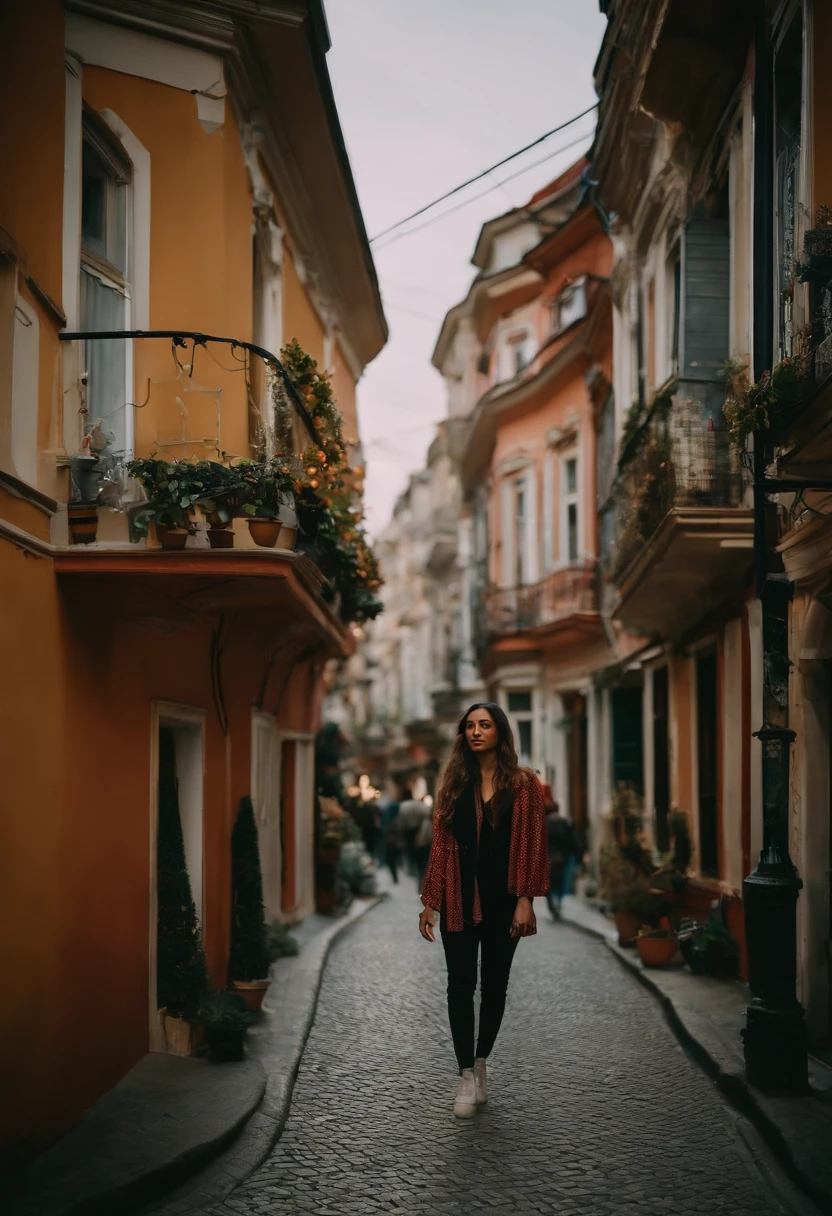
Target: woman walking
[(488, 860)]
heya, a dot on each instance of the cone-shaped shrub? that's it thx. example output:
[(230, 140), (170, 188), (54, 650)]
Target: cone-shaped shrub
[(249, 944), (181, 971)]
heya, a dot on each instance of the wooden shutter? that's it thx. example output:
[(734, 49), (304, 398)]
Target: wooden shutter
[(705, 297)]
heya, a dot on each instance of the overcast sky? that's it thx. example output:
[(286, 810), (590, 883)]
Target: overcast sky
[(430, 92)]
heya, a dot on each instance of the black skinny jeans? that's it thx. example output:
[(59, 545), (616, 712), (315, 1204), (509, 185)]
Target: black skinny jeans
[(491, 936)]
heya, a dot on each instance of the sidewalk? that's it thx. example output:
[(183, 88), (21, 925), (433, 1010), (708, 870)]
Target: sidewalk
[(171, 1117), (707, 1016)]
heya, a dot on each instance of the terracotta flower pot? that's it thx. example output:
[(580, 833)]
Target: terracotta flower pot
[(252, 992), (221, 538), (83, 522), (264, 532), (628, 925), (656, 951), (171, 538)]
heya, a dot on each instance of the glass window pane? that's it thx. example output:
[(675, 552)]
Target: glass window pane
[(572, 531), (524, 741), (94, 185), (102, 307), (571, 476), (519, 702)]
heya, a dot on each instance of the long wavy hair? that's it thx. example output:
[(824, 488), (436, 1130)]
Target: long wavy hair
[(463, 767)]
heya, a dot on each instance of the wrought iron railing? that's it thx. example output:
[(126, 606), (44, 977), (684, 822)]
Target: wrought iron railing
[(680, 457), (571, 591)]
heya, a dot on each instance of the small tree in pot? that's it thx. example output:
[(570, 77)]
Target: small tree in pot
[(249, 962), (181, 970)]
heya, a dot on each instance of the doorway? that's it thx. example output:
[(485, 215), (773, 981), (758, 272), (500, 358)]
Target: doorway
[(707, 712), (661, 758)]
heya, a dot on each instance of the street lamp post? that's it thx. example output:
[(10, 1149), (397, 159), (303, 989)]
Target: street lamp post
[(775, 1033)]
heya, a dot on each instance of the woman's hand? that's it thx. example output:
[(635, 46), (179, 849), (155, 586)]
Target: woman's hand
[(427, 920), (524, 921)]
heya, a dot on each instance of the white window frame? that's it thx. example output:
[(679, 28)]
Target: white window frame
[(572, 292), (25, 381), (516, 716), (567, 498)]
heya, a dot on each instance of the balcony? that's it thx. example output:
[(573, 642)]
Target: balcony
[(562, 599), (682, 539)]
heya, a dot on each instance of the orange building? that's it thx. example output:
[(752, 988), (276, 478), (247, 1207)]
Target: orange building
[(536, 327), (183, 174)]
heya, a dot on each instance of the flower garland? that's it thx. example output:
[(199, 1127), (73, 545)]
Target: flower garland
[(327, 495)]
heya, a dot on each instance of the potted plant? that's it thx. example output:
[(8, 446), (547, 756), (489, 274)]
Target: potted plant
[(171, 499), (709, 949), (249, 961), (266, 486), (85, 484), (181, 970), (279, 942), (220, 501), (657, 947), (226, 1018), (625, 866), (669, 882)]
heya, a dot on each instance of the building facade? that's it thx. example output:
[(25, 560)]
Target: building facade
[(179, 171)]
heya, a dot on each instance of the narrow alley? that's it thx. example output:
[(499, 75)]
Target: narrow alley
[(594, 1107)]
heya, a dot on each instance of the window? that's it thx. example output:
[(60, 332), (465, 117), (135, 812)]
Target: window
[(674, 289), (520, 715), (520, 352), (521, 529), (569, 515), (788, 90), (569, 306), (25, 355), (106, 174)]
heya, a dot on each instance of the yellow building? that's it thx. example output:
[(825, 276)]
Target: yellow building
[(177, 168)]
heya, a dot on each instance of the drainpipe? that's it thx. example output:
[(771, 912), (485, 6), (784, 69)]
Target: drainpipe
[(775, 1033)]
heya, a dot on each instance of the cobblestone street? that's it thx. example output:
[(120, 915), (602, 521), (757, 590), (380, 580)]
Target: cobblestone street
[(594, 1108)]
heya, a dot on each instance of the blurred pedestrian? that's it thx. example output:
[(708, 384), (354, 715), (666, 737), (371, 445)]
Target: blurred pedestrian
[(394, 843), (411, 811), (423, 841), (561, 844), (388, 808)]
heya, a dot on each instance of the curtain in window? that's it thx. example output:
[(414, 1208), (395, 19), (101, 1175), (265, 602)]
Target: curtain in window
[(104, 307)]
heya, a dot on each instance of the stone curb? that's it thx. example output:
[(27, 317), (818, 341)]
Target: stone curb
[(280, 1053), (733, 1084)]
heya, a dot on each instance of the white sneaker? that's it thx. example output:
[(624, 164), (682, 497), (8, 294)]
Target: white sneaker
[(465, 1106), (480, 1083)]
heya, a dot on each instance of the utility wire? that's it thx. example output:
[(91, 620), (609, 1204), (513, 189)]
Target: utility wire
[(485, 172), (434, 219)]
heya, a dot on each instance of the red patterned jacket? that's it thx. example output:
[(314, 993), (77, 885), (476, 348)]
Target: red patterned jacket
[(528, 866)]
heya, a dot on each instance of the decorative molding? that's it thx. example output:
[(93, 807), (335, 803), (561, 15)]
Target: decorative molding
[(136, 52), (21, 489)]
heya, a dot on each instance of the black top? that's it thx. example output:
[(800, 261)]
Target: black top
[(491, 863)]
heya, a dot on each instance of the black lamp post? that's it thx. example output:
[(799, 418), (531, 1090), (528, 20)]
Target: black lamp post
[(775, 1033)]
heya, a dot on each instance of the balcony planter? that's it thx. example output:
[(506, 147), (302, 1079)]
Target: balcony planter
[(264, 532), (221, 538), (170, 537), (657, 947), (83, 522), (252, 992)]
